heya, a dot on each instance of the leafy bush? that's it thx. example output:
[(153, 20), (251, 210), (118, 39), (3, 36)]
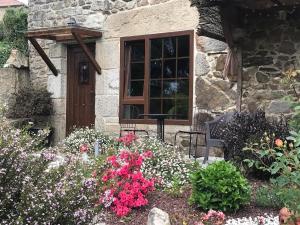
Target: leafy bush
[(245, 127), (5, 50), (267, 197), (219, 186), (30, 102), (87, 136), (285, 161), (35, 189), (14, 28)]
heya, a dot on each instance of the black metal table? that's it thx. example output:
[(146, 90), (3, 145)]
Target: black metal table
[(160, 118)]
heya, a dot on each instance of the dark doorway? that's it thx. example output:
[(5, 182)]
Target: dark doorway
[(80, 89)]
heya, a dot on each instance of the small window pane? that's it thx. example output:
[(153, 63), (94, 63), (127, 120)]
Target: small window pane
[(183, 68), (183, 46), (170, 68), (137, 50), (155, 88), (135, 88), (156, 69), (170, 88), (156, 48), (169, 106), (182, 108), (137, 71), (155, 106), (132, 111), (183, 88), (169, 47)]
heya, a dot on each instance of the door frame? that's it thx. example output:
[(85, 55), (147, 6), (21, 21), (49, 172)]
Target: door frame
[(70, 82)]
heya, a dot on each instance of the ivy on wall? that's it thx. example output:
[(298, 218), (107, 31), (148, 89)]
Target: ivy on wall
[(12, 33)]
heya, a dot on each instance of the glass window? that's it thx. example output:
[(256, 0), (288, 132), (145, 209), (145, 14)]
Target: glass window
[(168, 76)]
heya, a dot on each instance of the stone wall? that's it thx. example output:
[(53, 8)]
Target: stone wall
[(271, 48), (11, 80), (117, 19)]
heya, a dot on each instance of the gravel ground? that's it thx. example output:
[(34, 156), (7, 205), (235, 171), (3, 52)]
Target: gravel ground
[(263, 220)]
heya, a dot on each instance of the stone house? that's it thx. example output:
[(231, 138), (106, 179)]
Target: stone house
[(153, 61), (5, 4)]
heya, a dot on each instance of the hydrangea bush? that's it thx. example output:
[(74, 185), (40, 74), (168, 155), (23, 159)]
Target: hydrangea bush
[(87, 136)]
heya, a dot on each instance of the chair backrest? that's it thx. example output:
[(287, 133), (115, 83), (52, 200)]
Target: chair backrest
[(199, 120), (213, 127), (127, 126)]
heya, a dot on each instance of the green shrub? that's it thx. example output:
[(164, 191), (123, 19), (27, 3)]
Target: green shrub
[(267, 197), (87, 136), (30, 102), (14, 28), (219, 186), (5, 50)]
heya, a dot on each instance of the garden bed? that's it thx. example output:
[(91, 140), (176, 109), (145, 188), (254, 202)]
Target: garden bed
[(180, 211)]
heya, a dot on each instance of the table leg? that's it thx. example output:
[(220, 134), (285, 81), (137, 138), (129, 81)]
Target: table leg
[(160, 129)]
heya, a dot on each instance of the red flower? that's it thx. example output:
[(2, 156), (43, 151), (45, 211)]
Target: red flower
[(279, 143)]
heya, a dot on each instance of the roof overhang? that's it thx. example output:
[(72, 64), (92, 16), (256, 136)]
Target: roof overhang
[(65, 34)]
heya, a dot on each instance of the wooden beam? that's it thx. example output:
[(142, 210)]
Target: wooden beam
[(87, 51), (239, 80), (41, 52)]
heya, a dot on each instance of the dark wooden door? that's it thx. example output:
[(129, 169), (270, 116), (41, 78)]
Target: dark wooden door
[(80, 89)]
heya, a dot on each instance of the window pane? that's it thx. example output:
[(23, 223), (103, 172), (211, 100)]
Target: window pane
[(182, 108), (155, 88), (137, 71), (156, 48), (137, 50), (183, 46), (169, 47), (183, 68), (132, 111), (156, 69), (155, 106), (169, 106), (170, 68), (135, 88), (170, 88), (183, 88)]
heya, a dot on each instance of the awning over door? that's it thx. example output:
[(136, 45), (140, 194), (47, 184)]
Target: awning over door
[(64, 34)]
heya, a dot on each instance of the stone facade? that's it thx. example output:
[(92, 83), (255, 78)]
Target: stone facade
[(263, 61), (271, 47), (11, 80)]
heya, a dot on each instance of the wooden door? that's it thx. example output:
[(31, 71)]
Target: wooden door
[(80, 89)]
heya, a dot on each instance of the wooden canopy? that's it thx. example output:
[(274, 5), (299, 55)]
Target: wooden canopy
[(64, 34)]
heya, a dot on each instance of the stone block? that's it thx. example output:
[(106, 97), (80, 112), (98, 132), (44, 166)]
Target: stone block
[(108, 54), (201, 64), (59, 106), (148, 20), (287, 47), (278, 107), (108, 82), (107, 105), (57, 85), (262, 77), (206, 44), (210, 97), (58, 51), (59, 124), (158, 217)]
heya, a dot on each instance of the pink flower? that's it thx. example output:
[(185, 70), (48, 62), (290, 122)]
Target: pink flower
[(84, 148)]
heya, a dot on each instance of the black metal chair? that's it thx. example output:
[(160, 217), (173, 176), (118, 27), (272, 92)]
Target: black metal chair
[(197, 128), (131, 127), (212, 132)]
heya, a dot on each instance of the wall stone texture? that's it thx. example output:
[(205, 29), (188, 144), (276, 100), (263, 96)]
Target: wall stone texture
[(11, 80), (268, 50), (271, 47)]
